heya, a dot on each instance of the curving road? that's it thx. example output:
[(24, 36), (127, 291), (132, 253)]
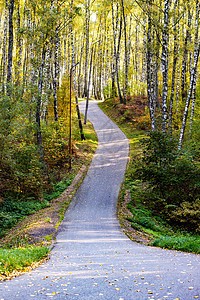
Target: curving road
[(92, 258)]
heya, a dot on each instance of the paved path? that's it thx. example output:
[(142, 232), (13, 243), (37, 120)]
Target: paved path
[(93, 259)]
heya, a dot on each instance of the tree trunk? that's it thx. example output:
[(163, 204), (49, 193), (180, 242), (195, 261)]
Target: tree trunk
[(149, 73), (184, 62), (195, 79), (192, 83), (126, 53), (174, 67), (88, 90), (115, 50), (4, 51), (10, 46), (79, 67), (87, 28), (74, 79), (38, 112), (19, 48), (164, 60), (55, 79)]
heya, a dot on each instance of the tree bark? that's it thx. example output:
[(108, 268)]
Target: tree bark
[(56, 74), (149, 71), (195, 79), (74, 79), (174, 66), (116, 52), (125, 53), (164, 61), (87, 28), (192, 83), (88, 90), (185, 55), (4, 51), (10, 46)]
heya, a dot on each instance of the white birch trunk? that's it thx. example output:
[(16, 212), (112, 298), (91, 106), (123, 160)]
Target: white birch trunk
[(192, 83), (87, 28), (164, 61), (149, 72), (125, 52), (195, 79), (174, 67)]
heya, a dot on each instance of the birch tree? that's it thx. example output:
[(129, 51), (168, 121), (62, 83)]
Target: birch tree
[(10, 44), (164, 61)]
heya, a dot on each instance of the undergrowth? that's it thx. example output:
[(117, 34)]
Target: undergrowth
[(13, 211)]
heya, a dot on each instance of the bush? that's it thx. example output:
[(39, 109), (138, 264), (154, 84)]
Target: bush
[(188, 214), (173, 180)]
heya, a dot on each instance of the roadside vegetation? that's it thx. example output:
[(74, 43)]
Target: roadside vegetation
[(19, 260), (21, 214), (162, 184)]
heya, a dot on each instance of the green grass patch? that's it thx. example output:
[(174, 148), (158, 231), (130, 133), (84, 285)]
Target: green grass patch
[(20, 258), (186, 243)]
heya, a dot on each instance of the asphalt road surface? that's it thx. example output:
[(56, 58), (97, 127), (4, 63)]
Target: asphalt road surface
[(92, 258)]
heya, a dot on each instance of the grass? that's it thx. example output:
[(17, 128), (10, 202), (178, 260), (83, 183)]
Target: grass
[(141, 219), (186, 243), (20, 259)]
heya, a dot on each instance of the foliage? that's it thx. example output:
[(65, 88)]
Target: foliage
[(173, 180), (20, 167), (20, 258), (144, 219), (58, 189), (12, 211), (55, 145)]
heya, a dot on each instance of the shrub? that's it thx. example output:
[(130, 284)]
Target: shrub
[(188, 214), (173, 180)]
